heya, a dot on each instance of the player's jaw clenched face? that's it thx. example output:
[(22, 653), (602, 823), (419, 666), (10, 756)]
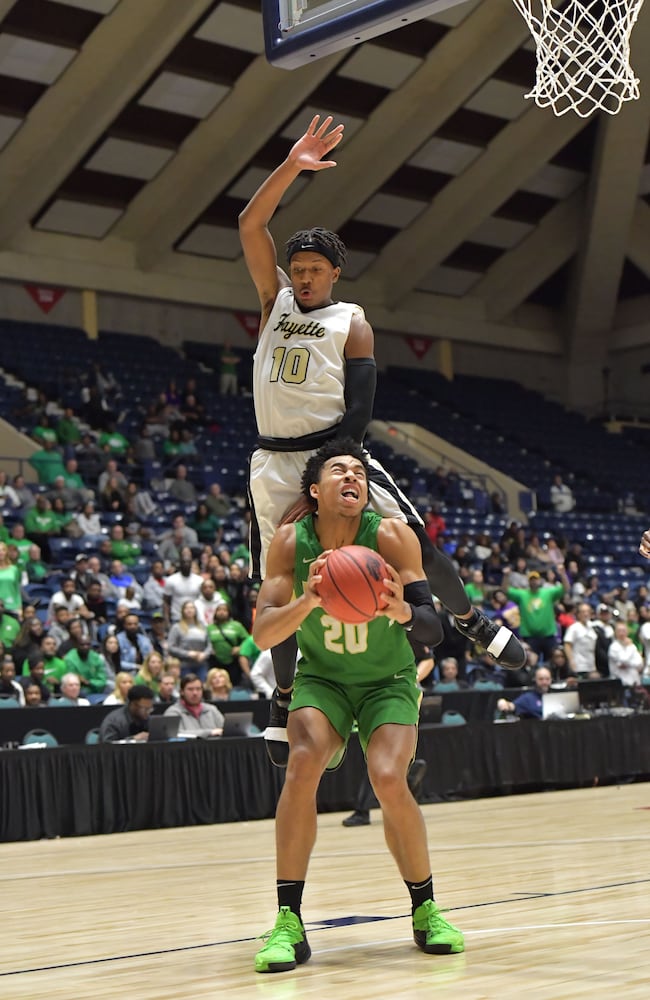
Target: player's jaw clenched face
[(343, 486), (312, 277)]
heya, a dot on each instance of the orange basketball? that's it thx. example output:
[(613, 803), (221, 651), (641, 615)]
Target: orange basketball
[(352, 584)]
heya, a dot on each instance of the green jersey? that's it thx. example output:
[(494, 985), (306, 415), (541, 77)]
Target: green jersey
[(346, 654)]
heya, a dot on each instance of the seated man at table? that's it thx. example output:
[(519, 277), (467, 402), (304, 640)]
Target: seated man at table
[(529, 704), (130, 721), (197, 718)]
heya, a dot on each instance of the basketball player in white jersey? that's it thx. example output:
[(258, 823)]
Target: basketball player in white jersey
[(314, 379)]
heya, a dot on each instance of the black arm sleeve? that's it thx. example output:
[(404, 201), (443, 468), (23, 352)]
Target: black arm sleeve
[(360, 385), (424, 625)]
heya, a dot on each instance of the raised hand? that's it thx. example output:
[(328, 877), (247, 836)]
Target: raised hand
[(317, 142)]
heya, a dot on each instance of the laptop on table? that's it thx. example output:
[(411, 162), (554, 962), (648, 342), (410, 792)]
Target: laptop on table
[(560, 704), (163, 727)]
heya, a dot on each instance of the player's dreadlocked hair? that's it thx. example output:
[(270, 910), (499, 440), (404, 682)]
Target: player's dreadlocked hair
[(320, 241)]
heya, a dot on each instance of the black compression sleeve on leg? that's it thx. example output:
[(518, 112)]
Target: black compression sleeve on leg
[(442, 576), (424, 626), (284, 662)]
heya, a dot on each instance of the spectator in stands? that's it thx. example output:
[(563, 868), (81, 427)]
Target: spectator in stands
[(89, 457), (475, 588), (53, 665), (113, 442), (562, 498), (41, 524), (169, 549), (217, 502), (206, 525), (131, 721), (196, 716), (536, 607), (71, 497), (262, 674), (59, 626), (36, 569), (113, 496), (44, 431), (218, 685), (23, 492), (109, 592), (89, 666), (226, 635), (207, 602), (228, 362), (625, 660), (184, 585), (89, 520), (9, 626), (123, 684), (70, 691), (181, 488), (123, 548), (189, 642), (9, 686), (47, 462), (167, 691), (67, 597), (28, 641), (122, 580), (153, 589), (580, 643), (8, 495), (33, 673), (10, 592), (449, 680), (18, 545), (434, 523), (158, 634), (34, 696), (110, 649), (135, 645), (560, 668), (529, 704), (151, 671), (67, 428)]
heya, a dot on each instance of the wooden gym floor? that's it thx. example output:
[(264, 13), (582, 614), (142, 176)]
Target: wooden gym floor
[(552, 891)]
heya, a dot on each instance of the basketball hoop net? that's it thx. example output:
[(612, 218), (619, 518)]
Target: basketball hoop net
[(583, 53)]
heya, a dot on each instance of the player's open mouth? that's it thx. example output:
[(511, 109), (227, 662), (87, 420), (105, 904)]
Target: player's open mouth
[(349, 494)]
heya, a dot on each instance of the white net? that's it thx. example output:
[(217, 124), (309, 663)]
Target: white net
[(583, 53)]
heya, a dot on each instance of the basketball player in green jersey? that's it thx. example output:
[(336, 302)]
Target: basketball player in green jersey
[(361, 672)]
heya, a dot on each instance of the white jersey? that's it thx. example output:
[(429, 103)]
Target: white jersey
[(299, 367)]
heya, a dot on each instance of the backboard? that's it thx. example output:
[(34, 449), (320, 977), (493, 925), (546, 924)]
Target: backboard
[(299, 31)]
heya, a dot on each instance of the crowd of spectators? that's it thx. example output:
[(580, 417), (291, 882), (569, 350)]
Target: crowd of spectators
[(156, 590), (108, 584)]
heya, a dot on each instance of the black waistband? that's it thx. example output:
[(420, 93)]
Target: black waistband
[(308, 442)]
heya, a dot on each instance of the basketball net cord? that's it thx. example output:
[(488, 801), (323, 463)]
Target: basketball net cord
[(583, 53)]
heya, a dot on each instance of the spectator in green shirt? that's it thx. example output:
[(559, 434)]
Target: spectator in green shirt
[(48, 463), (226, 635), (67, 429), (536, 603), (89, 665), (10, 594), (123, 549), (41, 524), (9, 627)]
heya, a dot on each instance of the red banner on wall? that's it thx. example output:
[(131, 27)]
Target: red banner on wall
[(250, 322), (419, 345), (45, 298)]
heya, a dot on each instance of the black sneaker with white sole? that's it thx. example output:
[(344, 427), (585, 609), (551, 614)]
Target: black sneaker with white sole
[(501, 644)]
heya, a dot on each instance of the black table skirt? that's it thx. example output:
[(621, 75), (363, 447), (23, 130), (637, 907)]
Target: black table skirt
[(79, 790)]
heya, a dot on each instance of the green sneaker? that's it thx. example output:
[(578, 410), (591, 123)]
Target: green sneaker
[(433, 934), (286, 945)]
